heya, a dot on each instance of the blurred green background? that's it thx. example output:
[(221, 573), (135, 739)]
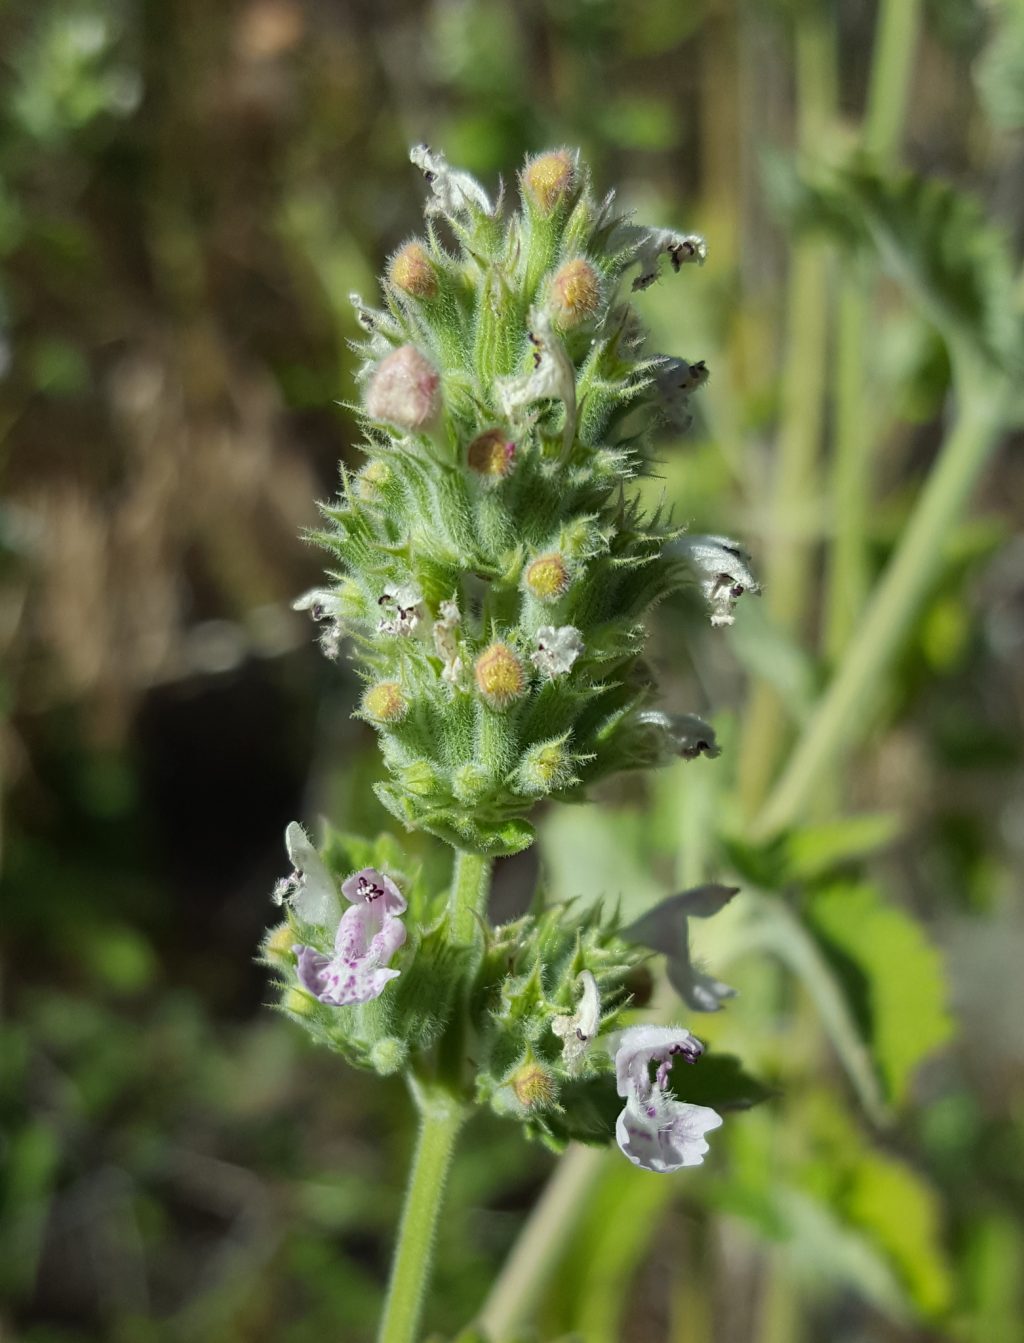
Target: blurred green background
[(188, 193)]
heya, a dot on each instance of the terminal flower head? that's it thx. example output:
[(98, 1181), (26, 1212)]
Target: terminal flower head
[(368, 935)]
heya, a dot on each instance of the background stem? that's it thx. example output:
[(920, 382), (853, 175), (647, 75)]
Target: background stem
[(840, 715), (440, 1121)]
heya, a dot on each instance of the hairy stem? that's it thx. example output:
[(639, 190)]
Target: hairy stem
[(441, 1118), (841, 715), (471, 882)]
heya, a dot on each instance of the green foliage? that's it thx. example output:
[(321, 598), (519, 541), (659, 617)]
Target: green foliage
[(936, 239), (902, 976)]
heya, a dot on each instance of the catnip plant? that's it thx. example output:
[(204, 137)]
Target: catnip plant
[(491, 570)]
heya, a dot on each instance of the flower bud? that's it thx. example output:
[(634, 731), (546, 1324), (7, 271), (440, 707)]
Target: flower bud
[(491, 455), (549, 178), (370, 479), (574, 294), (534, 1086), (404, 390), (470, 784), (278, 943), (299, 1003), (499, 675), (389, 1056), (384, 702), (420, 778), (547, 577), (546, 768), (412, 271)]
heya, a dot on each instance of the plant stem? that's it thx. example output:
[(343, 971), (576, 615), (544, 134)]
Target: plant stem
[(536, 1253), (855, 421), (792, 516), (441, 1118), (471, 882), (841, 714)]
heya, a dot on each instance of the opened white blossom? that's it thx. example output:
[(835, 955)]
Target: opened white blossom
[(325, 608), (722, 568), (557, 649), (553, 377), (453, 193), (654, 244), (309, 889), (655, 1130), (368, 935), (577, 1031), (403, 609)]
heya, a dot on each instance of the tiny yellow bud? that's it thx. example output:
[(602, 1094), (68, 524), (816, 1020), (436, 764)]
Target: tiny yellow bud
[(412, 271), (534, 1086), (547, 577), (385, 702), (278, 943), (549, 178), (499, 675), (298, 1002), (369, 480), (491, 455), (575, 293)]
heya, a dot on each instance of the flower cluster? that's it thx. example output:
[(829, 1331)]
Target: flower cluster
[(491, 575)]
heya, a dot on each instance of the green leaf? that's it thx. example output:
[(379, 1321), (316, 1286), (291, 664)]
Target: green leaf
[(718, 1080), (903, 980), (902, 1213), (999, 71), (936, 239), (815, 850)]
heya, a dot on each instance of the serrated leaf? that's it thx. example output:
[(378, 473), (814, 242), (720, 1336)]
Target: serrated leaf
[(904, 982), (935, 238)]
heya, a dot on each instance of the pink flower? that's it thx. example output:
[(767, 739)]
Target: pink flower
[(369, 934)]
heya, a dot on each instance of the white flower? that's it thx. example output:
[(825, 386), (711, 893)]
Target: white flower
[(557, 649), (723, 571), (655, 1130), (452, 192), (325, 608), (674, 381), (404, 607), (446, 643), (653, 244), (578, 1030), (309, 889), (553, 377)]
